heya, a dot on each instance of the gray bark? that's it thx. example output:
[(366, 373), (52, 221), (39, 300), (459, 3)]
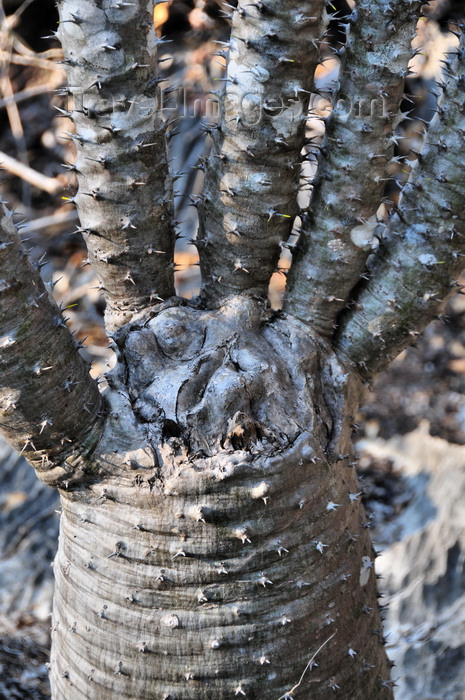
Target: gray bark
[(200, 560), (253, 171), (50, 408), (338, 230), (212, 540), (420, 258), (124, 196)]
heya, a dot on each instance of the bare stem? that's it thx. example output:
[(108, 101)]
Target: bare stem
[(338, 229), (253, 171), (50, 407), (416, 268), (124, 199)]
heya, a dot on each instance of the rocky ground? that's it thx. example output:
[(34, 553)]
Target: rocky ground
[(28, 537), (422, 565)]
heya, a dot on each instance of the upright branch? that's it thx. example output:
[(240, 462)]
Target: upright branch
[(50, 407), (416, 267), (124, 199), (338, 231), (252, 174)]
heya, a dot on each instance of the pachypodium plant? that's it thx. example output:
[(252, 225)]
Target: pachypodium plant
[(213, 544)]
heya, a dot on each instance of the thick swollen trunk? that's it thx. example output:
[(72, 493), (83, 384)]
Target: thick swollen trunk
[(221, 551)]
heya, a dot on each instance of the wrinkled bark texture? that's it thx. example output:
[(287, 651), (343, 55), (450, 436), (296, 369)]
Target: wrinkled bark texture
[(338, 230), (249, 203), (213, 544), (224, 531), (50, 408), (421, 256), (124, 196)]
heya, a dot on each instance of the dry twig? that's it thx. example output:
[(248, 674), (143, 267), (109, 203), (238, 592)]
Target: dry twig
[(12, 165)]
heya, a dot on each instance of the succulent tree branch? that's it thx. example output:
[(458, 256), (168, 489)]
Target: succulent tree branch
[(253, 171), (50, 407), (338, 229), (415, 270), (124, 198)]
